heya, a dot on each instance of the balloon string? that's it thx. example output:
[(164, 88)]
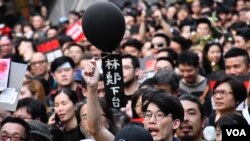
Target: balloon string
[(108, 54), (88, 78)]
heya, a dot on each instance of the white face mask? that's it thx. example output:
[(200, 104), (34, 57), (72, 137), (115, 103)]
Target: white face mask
[(65, 65)]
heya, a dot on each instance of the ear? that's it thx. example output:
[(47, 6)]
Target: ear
[(204, 122), (85, 91), (176, 124), (138, 72)]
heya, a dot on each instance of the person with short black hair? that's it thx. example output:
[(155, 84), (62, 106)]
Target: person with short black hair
[(242, 39), (76, 51), (237, 62), (164, 63), (131, 66), (168, 80), (179, 44), (191, 81), (159, 41), (62, 69), (167, 52), (52, 32), (15, 129), (31, 109), (163, 114), (39, 26), (133, 47), (203, 27), (194, 120)]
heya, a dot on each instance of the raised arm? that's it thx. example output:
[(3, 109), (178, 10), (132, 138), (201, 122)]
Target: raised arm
[(95, 125), (160, 20)]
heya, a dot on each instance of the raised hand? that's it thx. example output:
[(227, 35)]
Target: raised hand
[(90, 73)]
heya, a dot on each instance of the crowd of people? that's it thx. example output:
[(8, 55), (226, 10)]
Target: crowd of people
[(185, 67)]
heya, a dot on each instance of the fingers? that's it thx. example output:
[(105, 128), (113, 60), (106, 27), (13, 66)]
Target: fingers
[(89, 69)]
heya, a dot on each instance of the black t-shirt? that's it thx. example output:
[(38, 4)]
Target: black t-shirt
[(73, 135)]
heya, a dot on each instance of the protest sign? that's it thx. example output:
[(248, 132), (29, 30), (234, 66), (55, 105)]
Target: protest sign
[(51, 48), (9, 96), (113, 80), (75, 31)]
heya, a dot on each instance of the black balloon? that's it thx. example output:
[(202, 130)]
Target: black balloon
[(104, 25)]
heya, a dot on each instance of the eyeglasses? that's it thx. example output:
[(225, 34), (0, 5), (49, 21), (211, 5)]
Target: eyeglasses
[(221, 92), (37, 62), (157, 45), (158, 115), (5, 137), (127, 67)]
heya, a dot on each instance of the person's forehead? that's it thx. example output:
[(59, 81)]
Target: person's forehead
[(37, 56), (62, 97), (74, 48), (185, 66), (236, 59), (163, 62), (37, 17), (126, 61), (202, 25), (153, 107), (157, 38), (4, 41), (13, 128), (239, 37), (187, 104), (213, 47)]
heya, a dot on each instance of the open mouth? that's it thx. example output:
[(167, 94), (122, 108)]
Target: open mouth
[(153, 131), (218, 103), (61, 116), (185, 128)]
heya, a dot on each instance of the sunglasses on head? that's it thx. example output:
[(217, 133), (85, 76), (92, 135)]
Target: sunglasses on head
[(158, 45)]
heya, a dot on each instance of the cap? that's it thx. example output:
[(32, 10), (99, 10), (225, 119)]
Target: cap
[(133, 132), (39, 131)]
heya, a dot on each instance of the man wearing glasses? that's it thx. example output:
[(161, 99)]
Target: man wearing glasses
[(163, 114), (14, 129), (159, 41), (39, 65), (38, 68)]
